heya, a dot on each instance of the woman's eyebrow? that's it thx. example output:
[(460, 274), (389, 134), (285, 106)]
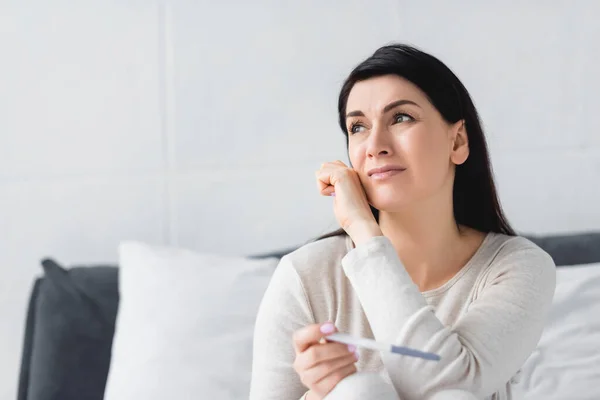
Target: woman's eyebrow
[(387, 108)]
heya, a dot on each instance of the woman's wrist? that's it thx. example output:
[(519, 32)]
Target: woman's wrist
[(362, 232)]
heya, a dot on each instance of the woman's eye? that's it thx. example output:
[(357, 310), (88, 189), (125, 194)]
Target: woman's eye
[(402, 118), (355, 128)]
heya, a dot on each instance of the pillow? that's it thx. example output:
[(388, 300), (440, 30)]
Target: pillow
[(571, 249), (74, 316), (185, 324), (566, 362)]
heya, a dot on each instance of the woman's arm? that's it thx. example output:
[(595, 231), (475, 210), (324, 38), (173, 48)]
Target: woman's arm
[(484, 348), (283, 309)]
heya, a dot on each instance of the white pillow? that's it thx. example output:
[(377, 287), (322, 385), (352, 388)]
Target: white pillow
[(185, 324), (566, 363)]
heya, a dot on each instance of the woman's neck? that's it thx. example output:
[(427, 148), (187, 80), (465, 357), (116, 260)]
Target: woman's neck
[(429, 243)]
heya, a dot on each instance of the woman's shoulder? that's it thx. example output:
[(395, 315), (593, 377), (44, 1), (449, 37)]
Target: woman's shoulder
[(506, 244), (518, 254), (319, 256)]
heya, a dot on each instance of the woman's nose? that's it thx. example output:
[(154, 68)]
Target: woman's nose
[(379, 143)]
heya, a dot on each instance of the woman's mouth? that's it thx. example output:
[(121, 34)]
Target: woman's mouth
[(385, 172), (380, 176)]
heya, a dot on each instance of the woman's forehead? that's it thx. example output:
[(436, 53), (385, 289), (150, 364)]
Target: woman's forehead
[(374, 94)]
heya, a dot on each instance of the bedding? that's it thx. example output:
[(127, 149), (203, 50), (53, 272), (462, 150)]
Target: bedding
[(566, 362)]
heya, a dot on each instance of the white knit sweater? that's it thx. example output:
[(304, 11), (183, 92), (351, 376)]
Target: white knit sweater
[(484, 322)]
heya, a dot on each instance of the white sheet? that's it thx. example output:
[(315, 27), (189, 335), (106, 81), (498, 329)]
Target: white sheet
[(566, 363)]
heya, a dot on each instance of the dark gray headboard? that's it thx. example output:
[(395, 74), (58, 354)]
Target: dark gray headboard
[(573, 249)]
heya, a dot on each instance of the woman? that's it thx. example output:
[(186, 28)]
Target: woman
[(425, 257)]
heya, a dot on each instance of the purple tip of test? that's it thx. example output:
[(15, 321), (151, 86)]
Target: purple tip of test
[(415, 353)]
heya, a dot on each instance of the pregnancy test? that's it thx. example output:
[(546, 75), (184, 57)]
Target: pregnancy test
[(375, 345)]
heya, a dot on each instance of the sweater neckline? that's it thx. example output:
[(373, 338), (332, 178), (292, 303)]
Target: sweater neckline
[(450, 282)]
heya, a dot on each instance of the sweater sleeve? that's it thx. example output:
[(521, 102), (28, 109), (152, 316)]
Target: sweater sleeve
[(283, 309), (483, 349)]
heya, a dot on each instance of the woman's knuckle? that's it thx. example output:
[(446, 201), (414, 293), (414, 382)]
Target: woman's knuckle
[(307, 359), (333, 364), (344, 372), (347, 361), (339, 375), (311, 354), (318, 373), (351, 370)]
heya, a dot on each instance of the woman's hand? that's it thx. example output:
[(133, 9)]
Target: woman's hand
[(351, 207), (321, 365)]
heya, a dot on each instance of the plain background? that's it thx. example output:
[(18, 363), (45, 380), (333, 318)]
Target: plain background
[(200, 123)]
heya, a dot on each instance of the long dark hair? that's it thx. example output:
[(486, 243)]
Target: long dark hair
[(476, 203)]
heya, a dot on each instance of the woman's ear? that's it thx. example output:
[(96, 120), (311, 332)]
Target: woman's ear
[(460, 143)]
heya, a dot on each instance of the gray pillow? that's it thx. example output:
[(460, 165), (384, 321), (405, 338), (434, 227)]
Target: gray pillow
[(74, 320)]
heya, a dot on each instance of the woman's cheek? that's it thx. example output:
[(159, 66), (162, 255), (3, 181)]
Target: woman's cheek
[(357, 156), (414, 150), (424, 156)]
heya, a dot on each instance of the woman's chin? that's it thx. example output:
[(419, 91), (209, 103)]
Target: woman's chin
[(388, 202)]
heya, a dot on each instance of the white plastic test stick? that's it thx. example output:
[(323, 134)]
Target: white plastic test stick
[(375, 345)]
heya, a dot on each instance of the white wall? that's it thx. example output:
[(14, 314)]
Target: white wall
[(201, 125)]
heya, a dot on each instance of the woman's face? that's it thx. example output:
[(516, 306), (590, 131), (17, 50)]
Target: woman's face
[(392, 125)]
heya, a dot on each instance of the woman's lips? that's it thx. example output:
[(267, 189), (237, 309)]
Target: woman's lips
[(380, 176)]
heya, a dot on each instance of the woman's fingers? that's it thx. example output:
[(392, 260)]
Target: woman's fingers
[(325, 368), (311, 334), (323, 353), (323, 176), (328, 382), (327, 176), (321, 364)]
